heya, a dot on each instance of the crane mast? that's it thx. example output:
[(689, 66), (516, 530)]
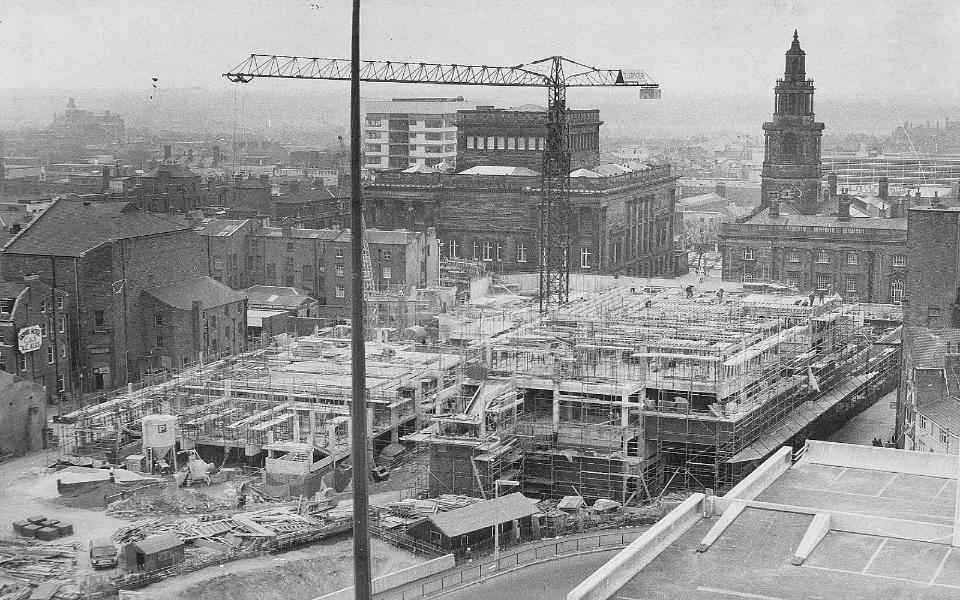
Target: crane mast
[(550, 73)]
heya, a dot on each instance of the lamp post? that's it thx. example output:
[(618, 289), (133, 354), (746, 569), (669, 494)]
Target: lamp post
[(496, 528)]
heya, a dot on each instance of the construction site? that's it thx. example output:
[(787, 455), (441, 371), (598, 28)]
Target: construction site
[(620, 394)]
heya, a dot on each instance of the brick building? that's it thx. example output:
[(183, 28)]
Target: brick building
[(860, 258), (515, 137), (31, 303), (104, 255), (248, 252), (791, 160), (621, 223)]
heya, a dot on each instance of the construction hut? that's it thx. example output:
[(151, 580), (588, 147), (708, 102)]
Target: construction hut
[(153, 553), (472, 526)]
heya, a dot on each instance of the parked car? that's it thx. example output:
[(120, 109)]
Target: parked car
[(103, 554)]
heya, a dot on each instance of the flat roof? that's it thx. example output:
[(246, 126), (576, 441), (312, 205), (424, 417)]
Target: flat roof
[(889, 526)]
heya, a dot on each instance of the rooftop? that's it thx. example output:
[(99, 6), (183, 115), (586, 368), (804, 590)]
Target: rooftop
[(183, 294), (791, 220), (485, 514), (73, 228), (841, 522)]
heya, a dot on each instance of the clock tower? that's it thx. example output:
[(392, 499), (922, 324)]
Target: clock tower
[(791, 158)]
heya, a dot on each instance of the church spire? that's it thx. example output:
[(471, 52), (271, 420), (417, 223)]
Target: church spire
[(796, 59)]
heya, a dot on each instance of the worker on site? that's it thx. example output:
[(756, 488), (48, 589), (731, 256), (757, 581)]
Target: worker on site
[(821, 294), (720, 296), (812, 296), (690, 291)]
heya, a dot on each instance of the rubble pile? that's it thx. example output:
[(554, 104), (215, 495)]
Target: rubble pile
[(26, 566), (168, 499)]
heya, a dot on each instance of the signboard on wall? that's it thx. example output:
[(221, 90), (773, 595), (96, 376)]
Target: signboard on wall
[(29, 339)]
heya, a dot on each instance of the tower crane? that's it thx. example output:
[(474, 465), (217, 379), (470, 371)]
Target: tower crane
[(555, 73)]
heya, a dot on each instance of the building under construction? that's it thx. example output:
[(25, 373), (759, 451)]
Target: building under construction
[(627, 392), (620, 394)]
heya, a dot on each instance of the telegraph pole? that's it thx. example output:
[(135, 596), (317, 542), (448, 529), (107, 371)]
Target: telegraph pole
[(362, 589)]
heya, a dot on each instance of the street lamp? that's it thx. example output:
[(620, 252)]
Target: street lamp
[(496, 528)]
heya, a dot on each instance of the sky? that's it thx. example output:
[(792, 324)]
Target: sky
[(708, 47)]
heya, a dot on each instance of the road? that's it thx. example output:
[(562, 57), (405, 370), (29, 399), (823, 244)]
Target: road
[(545, 581), (876, 421)]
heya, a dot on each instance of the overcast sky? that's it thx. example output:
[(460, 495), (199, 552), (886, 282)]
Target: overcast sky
[(717, 46)]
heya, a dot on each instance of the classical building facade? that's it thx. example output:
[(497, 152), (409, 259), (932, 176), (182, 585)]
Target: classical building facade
[(791, 162), (861, 259), (621, 224), (515, 137)]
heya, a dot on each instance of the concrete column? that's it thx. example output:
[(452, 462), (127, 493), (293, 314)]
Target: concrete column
[(296, 426), (556, 405)]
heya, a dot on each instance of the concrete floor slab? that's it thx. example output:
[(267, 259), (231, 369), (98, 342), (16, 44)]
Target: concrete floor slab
[(914, 487), (906, 559), (860, 481), (949, 573), (844, 551)]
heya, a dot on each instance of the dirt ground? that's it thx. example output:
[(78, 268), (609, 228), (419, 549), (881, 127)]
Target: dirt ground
[(296, 575)]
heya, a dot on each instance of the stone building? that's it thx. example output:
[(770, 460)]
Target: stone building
[(621, 223), (791, 160), (516, 137), (861, 259), (406, 132)]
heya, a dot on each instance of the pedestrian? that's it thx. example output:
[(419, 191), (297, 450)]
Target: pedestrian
[(720, 295), (821, 294), (469, 554), (690, 291), (812, 296)]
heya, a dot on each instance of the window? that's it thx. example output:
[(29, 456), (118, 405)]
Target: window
[(373, 122), (944, 437), (851, 285), (823, 256), (584, 258), (386, 273), (61, 384), (501, 143), (3, 363), (226, 310), (531, 143), (823, 282), (852, 258), (385, 255), (62, 325), (748, 254), (540, 143), (307, 272), (43, 306), (511, 143), (63, 351), (159, 341), (289, 264), (158, 319), (271, 269), (922, 422), (471, 142), (794, 256), (338, 269), (454, 249), (487, 251), (50, 355), (339, 253), (289, 246), (933, 316), (373, 135), (22, 363), (521, 253), (521, 143), (490, 142), (499, 252), (793, 279), (43, 329), (899, 260), (479, 142), (476, 251), (896, 291), (60, 302), (341, 291), (226, 332)]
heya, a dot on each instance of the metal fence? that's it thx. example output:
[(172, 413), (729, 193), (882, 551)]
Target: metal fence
[(478, 570)]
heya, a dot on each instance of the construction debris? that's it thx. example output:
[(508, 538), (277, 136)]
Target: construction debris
[(36, 570)]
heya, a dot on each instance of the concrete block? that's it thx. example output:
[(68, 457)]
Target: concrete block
[(37, 519), (64, 529), (19, 525), (818, 529), (721, 525), (31, 530), (47, 534)]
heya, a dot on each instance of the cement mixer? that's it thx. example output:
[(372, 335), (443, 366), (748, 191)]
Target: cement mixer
[(196, 470)]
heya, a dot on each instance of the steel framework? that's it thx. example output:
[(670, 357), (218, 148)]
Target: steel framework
[(554, 73)]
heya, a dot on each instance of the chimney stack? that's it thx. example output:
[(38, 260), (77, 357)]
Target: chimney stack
[(935, 201), (883, 188), (843, 207), (167, 153), (105, 174), (832, 185), (896, 208), (265, 181), (774, 211), (721, 189)]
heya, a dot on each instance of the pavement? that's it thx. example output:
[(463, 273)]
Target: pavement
[(876, 421)]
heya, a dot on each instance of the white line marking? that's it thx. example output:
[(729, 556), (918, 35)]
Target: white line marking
[(940, 566), (700, 588), (837, 478), (943, 487), (921, 583), (884, 488), (626, 598), (874, 557)]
